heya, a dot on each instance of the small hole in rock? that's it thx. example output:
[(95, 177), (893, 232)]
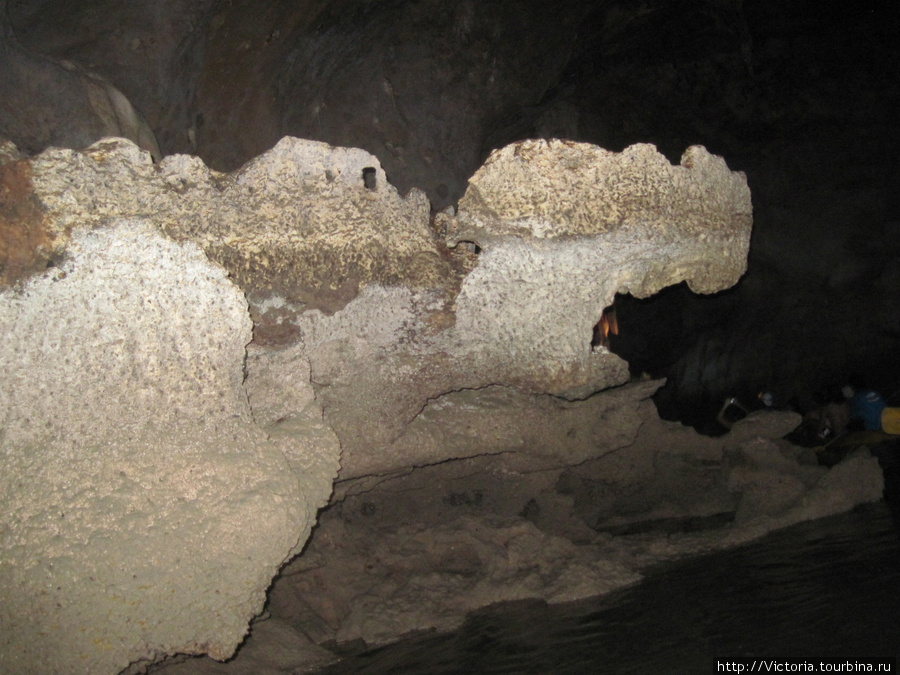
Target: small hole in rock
[(369, 178), (469, 246)]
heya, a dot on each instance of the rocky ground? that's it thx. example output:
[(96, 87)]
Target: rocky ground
[(418, 552)]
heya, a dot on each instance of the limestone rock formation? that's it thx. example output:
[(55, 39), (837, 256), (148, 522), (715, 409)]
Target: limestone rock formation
[(524, 312), (564, 226), (431, 92), (179, 467), (307, 227), (144, 511)]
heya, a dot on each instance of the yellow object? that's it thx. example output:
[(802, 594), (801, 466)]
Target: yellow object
[(890, 420)]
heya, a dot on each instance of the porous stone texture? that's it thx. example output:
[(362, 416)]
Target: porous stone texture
[(376, 337), (429, 89), (422, 549), (144, 512), (552, 189), (563, 226), (559, 228), (298, 220), (353, 280)]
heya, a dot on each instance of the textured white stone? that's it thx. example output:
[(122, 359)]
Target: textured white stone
[(298, 216), (563, 226), (142, 511), (387, 318), (126, 362)]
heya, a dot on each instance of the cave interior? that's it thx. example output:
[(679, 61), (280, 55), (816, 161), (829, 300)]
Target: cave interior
[(800, 98)]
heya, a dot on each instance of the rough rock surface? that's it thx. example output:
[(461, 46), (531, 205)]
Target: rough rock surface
[(524, 314), (144, 512), (431, 88), (403, 320), (422, 550), (299, 220), (415, 353), (564, 226)]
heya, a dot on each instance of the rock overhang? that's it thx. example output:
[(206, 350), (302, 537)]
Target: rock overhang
[(307, 231), (563, 226), (562, 190), (383, 317)]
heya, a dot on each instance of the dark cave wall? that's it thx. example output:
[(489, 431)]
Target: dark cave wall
[(811, 123), (799, 96), (425, 86)]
